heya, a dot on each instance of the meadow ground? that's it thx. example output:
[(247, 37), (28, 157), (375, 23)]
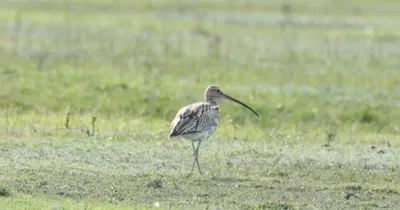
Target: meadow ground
[(88, 90)]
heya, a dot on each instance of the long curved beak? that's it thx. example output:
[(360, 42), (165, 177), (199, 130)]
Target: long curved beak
[(239, 102)]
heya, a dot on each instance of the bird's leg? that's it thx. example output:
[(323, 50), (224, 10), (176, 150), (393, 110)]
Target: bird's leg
[(196, 157)]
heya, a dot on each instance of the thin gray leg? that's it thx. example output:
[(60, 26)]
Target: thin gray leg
[(196, 158)]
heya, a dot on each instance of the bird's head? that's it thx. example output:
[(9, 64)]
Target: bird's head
[(213, 94)]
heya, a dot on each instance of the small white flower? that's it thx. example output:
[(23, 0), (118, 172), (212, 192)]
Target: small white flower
[(156, 204)]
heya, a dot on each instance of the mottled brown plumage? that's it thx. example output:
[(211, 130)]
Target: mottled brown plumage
[(198, 121)]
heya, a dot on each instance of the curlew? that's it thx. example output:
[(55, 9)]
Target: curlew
[(198, 121)]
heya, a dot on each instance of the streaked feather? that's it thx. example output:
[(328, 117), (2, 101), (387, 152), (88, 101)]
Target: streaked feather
[(197, 117)]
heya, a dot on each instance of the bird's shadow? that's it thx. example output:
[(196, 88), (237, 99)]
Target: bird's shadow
[(215, 177), (220, 178)]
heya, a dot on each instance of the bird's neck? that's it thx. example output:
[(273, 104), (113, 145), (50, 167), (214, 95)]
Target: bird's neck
[(212, 101)]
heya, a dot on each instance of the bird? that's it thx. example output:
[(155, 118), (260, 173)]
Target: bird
[(198, 121)]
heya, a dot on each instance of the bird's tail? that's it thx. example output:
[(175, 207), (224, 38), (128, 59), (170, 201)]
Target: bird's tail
[(172, 135)]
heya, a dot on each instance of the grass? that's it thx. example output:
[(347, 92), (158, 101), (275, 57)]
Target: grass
[(89, 89), (36, 202)]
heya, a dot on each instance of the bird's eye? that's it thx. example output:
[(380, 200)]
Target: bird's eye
[(218, 91)]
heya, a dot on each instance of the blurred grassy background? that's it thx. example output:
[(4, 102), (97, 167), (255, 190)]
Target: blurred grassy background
[(317, 71), (146, 59)]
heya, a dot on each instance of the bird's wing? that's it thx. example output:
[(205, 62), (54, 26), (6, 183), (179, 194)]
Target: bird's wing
[(194, 118)]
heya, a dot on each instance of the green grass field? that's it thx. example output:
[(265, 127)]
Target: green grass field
[(89, 88)]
